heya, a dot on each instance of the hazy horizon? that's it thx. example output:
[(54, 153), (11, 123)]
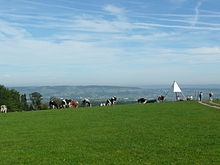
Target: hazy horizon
[(138, 86)]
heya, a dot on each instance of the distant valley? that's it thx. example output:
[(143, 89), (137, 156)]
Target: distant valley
[(124, 94), (91, 92)]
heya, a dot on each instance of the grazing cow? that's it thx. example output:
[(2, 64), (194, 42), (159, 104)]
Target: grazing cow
[(53, 104), (151, 100), (161, 98), (189, 98), (65, 103), (74, 104), (111, 101), (86, 102), (4, 109), (142, 100)]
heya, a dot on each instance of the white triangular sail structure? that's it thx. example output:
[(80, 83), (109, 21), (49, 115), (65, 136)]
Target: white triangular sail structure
[(176, 89)]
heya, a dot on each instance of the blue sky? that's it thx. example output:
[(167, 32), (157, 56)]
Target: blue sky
[(109, 42)]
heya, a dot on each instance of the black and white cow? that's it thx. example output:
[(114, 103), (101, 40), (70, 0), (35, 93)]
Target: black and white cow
[(152, 100), (111, 101), (4, 109), (161, 98), (189, 98), (86, 102), (65, 103), (142, 100), (56, 103), (53, 104)]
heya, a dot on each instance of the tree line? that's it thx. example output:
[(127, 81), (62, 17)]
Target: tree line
[(17, 102)]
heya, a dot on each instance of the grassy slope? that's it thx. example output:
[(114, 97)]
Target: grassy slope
[(165, 133)]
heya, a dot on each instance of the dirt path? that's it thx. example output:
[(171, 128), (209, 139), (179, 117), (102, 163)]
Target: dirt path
[(213, 106)]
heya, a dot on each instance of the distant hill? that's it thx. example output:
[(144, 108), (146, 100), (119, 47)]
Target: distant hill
[(91, 92)]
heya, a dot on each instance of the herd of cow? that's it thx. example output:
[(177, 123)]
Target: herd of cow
[(55, 103), (69, 103)]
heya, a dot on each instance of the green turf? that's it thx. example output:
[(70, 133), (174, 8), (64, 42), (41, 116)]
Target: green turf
[(152, 134)]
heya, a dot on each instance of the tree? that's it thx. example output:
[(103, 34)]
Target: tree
[(24, 104), (12, 99), (36, 99)]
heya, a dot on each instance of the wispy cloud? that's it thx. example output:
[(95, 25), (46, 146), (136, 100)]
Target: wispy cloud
[(8, 30), (114, 10), (196, 16), (119, 13)]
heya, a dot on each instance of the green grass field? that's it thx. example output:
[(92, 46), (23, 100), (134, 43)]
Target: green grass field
[(152, 134)]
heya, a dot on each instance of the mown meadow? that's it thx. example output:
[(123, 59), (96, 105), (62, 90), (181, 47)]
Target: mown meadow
[(151, 134)]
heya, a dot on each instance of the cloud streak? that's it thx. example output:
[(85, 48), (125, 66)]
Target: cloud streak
[(196, 17)]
